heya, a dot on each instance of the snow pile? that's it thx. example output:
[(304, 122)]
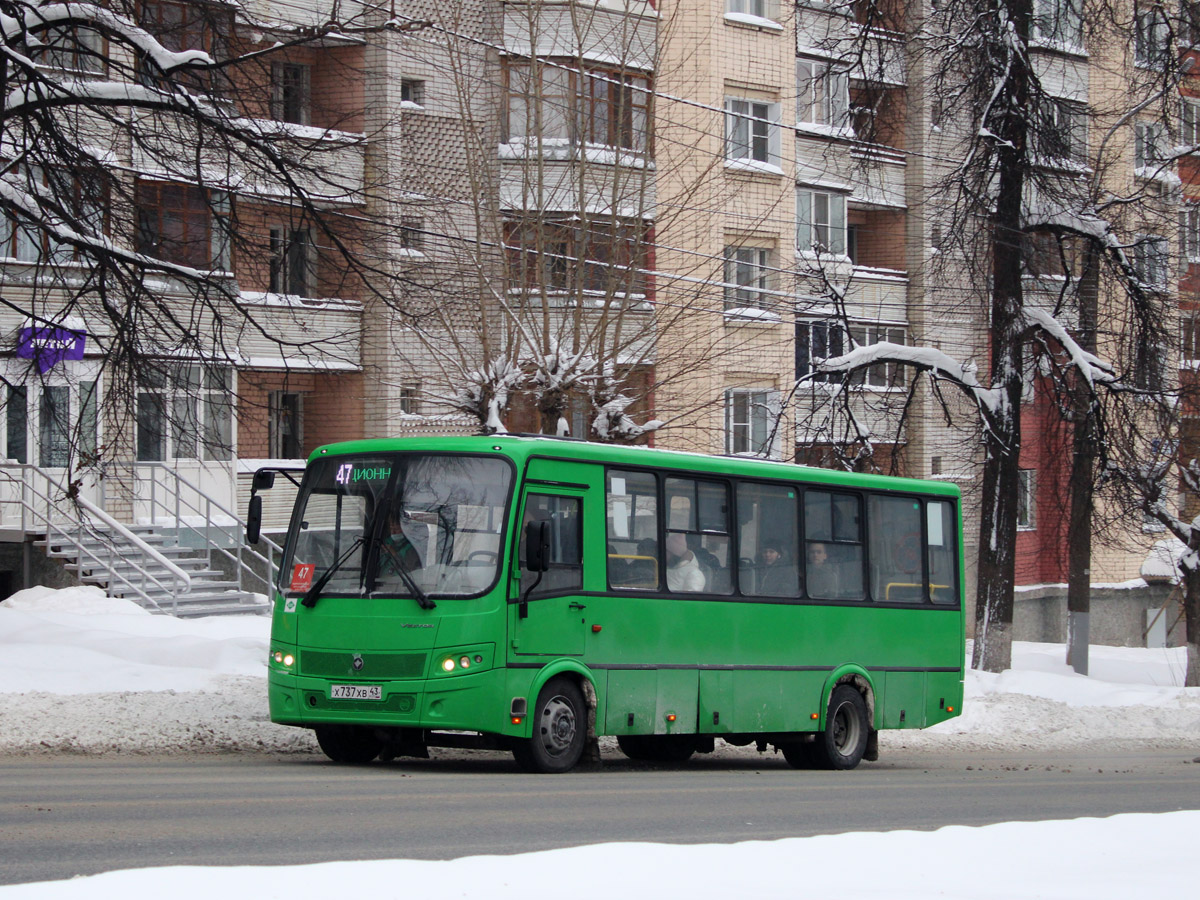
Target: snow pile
[(1136, 855), (83, 673)]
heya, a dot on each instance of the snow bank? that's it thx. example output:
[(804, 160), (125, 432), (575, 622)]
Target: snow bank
[(1091, 858), (83, 673)]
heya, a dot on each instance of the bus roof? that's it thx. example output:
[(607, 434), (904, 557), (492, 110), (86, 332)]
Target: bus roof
[(521, 448)]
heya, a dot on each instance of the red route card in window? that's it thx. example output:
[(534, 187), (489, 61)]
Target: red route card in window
[(302, 576)]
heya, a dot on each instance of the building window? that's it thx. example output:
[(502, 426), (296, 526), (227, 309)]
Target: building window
[(291, 92), (412, 233), (85, 198), (1027, 499), (820, 222), (410, 398), (1150, 260), (752, 422), (1149, 365), (1189, 231), (285, 424), (1189, 121), (186, 414), (1189, 325), (188, 26), (602, 257), (183, 224), (292, 258), (1059, 22), (1151, 147), (600, 106), (760, 9), (70, 48), (819, 341), (751, 130), (16, 409), (822, 94), (412, 91), (748, 277), (1151, 34), (1062, 132)]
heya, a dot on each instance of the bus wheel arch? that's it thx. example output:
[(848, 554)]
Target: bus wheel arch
[(562, 721)]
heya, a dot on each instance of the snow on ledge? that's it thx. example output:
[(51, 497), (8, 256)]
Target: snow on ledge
[(756, 166), (737, 18)]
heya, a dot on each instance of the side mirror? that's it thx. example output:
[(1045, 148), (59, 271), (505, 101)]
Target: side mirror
[(263, 480), (254, 518), (537, 546)]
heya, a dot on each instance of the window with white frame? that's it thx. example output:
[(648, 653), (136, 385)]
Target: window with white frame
[(71, 48), (291, 93), (751, 130), (1151, 34), (819, 341), (1059, 22), (760, 9), (1151, 146), (412, 90), (292, 262), (410, 398), (822, 94), (1189, 122), (748, 277), (1189, 231), (1027, 499), (285, 424), (1189, 340), (1149, 364), (186, 414), (1150, 260), (820, 222), (82, 196), (752, 421), (1062, 131)]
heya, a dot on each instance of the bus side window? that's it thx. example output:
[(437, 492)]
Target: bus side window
[(942, 536), (767, 539), (897, 575), (833, 546), (631, 514)]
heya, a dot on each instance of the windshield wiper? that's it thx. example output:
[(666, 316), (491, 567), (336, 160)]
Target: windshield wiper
[(314, 593), (398, 564)]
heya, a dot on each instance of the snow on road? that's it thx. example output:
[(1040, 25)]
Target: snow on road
[(81, 673)]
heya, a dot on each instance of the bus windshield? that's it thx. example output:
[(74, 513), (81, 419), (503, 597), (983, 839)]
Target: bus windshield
[(403, 521)]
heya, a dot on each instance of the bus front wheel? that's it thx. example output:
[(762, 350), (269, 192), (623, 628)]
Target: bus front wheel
[(843, 742), (348, 744), (559, 729)]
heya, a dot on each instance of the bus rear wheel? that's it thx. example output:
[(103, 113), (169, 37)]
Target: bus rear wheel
[(349, 744), (844, 741), (658, 747), (559, 729)]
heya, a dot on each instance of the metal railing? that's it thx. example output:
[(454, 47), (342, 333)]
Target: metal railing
[(216, 529), (53, 509)]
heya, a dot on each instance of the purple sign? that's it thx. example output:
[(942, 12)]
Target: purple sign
[(47, 347)]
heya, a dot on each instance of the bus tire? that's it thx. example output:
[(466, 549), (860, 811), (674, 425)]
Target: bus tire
[(844, 741), (674, 748), (559, 729), (348, 744)]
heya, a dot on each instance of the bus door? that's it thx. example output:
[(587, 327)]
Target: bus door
[(546, 613)]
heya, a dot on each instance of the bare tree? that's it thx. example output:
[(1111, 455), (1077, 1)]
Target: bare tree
[(1031, 184)]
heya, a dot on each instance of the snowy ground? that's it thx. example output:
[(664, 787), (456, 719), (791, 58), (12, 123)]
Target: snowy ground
[(80, 673)]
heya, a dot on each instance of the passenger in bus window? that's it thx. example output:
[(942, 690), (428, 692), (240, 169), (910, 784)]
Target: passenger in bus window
[(643, 571), (397, 553), (683, 570), (822, 579), (776, 578)]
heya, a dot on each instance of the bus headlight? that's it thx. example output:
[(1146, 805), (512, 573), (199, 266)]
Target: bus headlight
[(448, 665), (283, 659)]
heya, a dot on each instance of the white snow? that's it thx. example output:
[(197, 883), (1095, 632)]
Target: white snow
[(83, 673)]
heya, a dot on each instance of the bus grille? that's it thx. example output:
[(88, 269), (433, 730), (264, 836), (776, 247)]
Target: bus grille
[(395, 703), (374, 665)]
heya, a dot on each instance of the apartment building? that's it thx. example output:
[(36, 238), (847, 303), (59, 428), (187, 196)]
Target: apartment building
[(673, 210)]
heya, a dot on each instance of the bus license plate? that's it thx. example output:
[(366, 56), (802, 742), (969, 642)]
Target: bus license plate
[(355, 692)]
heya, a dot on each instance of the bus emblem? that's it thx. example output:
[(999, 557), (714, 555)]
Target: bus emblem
[(358, 662)]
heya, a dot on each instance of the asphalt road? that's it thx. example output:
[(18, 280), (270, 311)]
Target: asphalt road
[(63, 816)]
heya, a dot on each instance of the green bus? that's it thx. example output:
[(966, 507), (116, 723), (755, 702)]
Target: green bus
[(532, 594)]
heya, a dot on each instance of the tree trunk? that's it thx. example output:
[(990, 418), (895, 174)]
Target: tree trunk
[(1191, 617)]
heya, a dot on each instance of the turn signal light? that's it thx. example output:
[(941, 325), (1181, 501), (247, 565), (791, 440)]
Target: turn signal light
[(671, 717), (949, 709), (516, 720), (815, 716)]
